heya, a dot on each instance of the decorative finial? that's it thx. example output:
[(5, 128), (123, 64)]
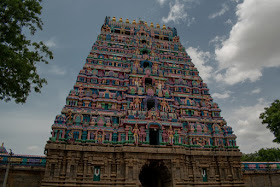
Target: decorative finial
[(134, 22), (164, 27), (158, 25), (120, 20), (152, 24), (2, 144), (114, 18), (146, 23), (127, 21)]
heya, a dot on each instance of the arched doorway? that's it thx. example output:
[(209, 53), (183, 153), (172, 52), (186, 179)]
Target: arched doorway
[(155, 174)]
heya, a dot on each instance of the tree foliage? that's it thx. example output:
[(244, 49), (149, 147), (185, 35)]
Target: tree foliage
[(263, 155), (271, 117), (18, 54)]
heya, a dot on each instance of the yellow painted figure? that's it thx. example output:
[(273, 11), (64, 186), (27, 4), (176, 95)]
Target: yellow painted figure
[(136, 133), (170, 135)]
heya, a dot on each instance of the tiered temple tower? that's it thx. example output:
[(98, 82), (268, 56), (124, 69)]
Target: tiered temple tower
[(140, 115)]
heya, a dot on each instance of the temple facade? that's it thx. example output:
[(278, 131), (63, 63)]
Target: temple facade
[(139, 114)]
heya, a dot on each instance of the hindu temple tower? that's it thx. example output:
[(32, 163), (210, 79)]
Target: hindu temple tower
[(139, 114)]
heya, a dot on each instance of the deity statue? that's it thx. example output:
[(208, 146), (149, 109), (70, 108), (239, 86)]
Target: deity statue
[(142, 134), (69, 116), (205, 129), (81, 91), (99, 137), (176, 137), (137, 103), (170, 133), (164, 136), (216, 128), (155, 68), (160, 85), (164, 105), (136, 133), (136, 82), (108, 123)]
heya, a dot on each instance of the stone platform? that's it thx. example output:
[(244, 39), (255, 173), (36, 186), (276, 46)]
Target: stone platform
[(130, 165)]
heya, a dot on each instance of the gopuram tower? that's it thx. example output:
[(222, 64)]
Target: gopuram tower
[(139, 114)]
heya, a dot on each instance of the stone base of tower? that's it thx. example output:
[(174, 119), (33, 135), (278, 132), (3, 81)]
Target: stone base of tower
[(85, 165)]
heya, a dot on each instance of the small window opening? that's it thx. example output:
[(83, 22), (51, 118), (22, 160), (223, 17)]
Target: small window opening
[(146, 64), (145, 51), (150, 104), (148, 81), (154, 137), (127, 33), (144, 41), (106, 107)]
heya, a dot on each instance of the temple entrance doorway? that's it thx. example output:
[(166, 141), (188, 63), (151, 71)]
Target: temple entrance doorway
[(154, 136), (155, 174)]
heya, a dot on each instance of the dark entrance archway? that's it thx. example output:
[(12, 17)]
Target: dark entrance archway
[(155, 174)]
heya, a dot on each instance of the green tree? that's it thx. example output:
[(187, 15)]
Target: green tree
[(18, 54), (263, 155), (271, 117)]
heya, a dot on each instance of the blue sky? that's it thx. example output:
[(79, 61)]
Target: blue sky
[(234, 44)]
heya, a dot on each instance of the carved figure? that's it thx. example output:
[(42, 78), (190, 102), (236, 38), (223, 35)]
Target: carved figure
[(170, 135), (136, 133), (137, 103), (164, 105), (99, 137)]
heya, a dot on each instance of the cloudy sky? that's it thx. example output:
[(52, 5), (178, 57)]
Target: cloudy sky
[(234, 44)]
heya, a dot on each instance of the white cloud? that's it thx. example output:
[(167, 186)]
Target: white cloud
[(177, 12), (34, 149), (161, 2), (224, 9), (200, 58), (256, 91), (217, 40), (56, 70), (51, 42), (221, 95), (229, 22), (253, 43), (251, 134)]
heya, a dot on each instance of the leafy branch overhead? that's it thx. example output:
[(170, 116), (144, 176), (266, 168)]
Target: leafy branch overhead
[(263, 155), (19, 55), (271, 117)]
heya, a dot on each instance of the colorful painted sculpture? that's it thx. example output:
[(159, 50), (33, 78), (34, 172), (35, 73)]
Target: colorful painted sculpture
[(137, 78)]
